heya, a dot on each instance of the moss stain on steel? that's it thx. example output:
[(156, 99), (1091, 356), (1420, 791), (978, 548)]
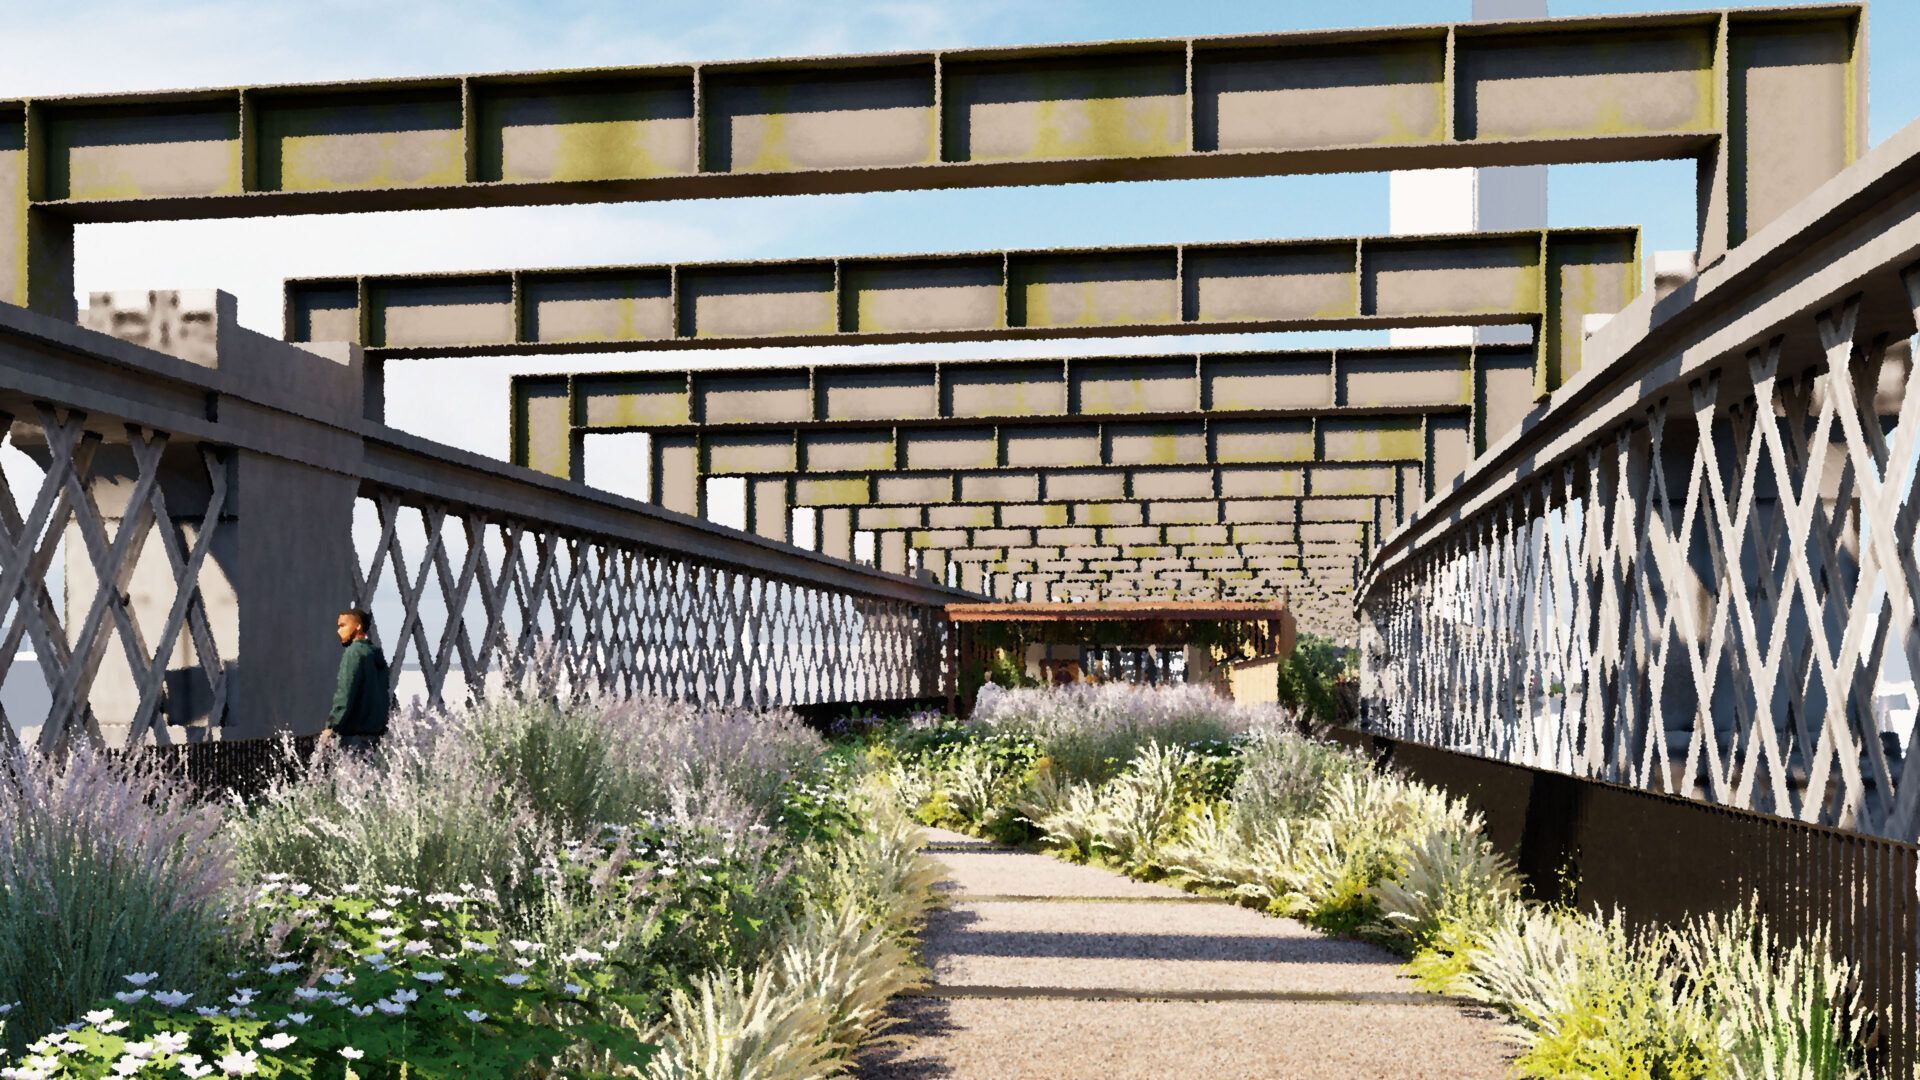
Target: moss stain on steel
[(618, 149)]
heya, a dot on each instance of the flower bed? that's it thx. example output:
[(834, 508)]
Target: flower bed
[(1178, 786), (528, 889)]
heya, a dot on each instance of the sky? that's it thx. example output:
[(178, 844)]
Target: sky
[(84, 47)]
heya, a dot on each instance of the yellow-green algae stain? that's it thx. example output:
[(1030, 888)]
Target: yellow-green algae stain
[(831, 492)]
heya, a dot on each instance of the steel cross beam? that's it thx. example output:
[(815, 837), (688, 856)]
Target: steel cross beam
[(1550, 278), (1158, 495), (1149, 409), (1192, 521), (1770, 101)]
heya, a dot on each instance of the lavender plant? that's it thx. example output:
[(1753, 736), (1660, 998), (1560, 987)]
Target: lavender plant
[(105, 867), (1091, 732)]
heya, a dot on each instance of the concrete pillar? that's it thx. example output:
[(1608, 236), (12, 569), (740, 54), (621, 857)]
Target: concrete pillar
[(279, 567), (836, 532)]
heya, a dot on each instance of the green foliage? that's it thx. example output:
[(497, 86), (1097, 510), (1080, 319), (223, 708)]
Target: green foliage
[(1452, 880), (1307, 677), (386, 985), (105, 868), (636, 858), (1284, 776)]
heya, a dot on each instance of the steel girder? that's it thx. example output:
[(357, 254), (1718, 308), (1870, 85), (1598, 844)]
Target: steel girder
[(1504, 93), (1551, 279)]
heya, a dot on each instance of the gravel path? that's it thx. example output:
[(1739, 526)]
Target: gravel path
[(1047, 971)]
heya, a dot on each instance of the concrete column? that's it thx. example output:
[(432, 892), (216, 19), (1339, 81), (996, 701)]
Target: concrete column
[(280, 565)]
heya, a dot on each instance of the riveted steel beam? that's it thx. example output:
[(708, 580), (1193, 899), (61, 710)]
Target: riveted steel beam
[(1099, 496), (1152, 409), (1550, 278), (1770, 101)]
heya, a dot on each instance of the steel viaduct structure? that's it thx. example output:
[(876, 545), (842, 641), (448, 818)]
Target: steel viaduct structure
[(1668, 544)]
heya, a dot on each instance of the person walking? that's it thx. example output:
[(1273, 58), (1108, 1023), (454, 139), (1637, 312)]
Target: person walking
[(361, 699)]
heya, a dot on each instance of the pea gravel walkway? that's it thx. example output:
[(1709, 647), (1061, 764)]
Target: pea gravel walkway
[(1047, 971)]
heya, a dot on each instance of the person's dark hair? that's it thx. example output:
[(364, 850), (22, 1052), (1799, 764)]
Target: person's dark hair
[(361, 616)]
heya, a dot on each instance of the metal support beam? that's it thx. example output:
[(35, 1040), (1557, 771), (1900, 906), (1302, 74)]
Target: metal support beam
[(1155, 409), (1551, 279), (1619, 88)]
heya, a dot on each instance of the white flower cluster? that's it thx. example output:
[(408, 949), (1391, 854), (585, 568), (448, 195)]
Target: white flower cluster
[(48, 1058)]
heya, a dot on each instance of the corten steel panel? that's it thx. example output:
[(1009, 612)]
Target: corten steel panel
[(1415, 277), (95, 154), (876, 393), (1093, 485), (1058, 447), (1172, 484), (1117, 288), (1393, 377), (545, 437), (919, 489), (1449, 449), (1145, 385), (1581, 276), (1263, 440), (322, 313), (367, 140), (1796, 80), (636, 400), (1007, 388), (859, 118), (838, 491), (1163, 443), (1503, 395), (1125, 106), (894, 297), (1474, 279), (1513, 86), (736, 303), (1630, 87), (1258, 483), (1007, 487), (589, 307), (747, 454), (846, 451), (1386, 438), (676, 474), (752, 397), (451, 312), (950, 448), (581, 131), (960, 517), (1304, 381), (1308, 281), (1296, 99)]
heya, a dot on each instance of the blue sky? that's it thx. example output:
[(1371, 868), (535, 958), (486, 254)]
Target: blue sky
[(187, 43)]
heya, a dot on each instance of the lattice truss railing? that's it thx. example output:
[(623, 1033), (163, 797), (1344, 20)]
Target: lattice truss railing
[(1700, 601), (467, 599), (69, 568)]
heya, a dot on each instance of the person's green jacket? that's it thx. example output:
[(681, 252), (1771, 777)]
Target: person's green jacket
[(360, 697)]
